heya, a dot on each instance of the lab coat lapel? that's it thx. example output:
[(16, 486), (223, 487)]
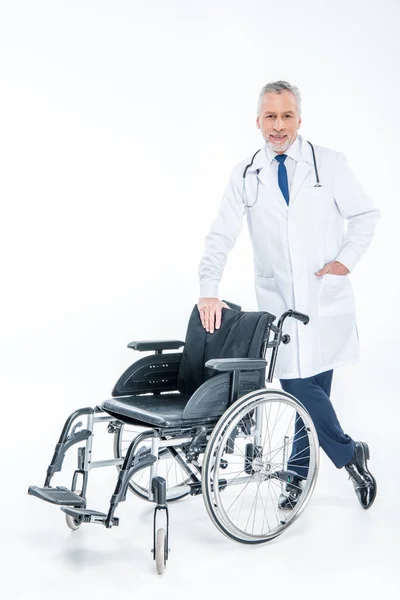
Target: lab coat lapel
[(303, 169), (273, 192)]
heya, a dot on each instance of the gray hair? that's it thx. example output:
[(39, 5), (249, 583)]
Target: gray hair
[(278, 87)]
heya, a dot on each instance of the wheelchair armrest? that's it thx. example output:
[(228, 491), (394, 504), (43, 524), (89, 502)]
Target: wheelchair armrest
[(236, 364), (157, 345)]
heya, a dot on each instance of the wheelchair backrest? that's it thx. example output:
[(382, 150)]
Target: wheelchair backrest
[(241, 335)]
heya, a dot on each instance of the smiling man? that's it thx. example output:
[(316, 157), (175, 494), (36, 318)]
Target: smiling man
[(297, 198), (279, 119)]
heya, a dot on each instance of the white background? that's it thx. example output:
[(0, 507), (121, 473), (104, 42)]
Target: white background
[(120, 122)]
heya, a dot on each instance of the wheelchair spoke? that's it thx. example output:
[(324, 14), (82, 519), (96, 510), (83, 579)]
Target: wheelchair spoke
[(265, 515), (274, 501), (251, 510), (269, 436), (277, 450), (238, 496)]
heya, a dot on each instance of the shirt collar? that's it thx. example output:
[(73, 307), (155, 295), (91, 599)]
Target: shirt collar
[(300, 151), (293, 151)]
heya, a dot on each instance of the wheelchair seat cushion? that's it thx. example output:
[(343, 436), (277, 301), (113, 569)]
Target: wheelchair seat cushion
[(159, 410)]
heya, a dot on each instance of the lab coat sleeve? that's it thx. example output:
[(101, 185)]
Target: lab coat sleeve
[(355, 206), (221, 238)]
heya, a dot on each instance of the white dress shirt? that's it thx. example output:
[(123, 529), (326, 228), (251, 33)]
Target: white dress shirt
[(293, 155)]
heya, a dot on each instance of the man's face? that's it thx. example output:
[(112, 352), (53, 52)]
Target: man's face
[(279, 120)]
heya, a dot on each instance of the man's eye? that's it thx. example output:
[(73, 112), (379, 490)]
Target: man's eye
[(270, 117), (288, 116)]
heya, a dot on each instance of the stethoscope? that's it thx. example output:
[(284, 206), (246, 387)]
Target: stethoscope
[(258, 181)]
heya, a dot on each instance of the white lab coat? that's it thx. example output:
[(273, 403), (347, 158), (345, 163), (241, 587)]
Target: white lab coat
[(290, 243)]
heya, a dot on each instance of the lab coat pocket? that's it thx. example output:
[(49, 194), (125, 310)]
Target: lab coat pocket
[(336, 295), (316, 206), (319, 199), (318, 193)]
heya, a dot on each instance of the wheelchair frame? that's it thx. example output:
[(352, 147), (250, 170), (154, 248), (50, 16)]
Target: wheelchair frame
[(193, 438)]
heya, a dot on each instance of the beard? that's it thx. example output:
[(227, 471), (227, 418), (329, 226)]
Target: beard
[(276, 147)]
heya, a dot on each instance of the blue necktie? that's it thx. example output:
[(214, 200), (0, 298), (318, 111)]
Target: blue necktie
[(282, 176)]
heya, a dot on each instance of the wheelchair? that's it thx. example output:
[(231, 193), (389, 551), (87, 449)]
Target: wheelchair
[(199, 421)]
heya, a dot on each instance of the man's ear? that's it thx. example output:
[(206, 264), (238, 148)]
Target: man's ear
[(258, 122), (298, 126)]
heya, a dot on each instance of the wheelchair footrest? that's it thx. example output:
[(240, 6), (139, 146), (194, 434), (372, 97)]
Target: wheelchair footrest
[(87, 515), (58, 495)]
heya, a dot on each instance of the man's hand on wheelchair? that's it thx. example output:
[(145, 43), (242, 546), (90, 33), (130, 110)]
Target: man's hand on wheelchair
[(210, 310)]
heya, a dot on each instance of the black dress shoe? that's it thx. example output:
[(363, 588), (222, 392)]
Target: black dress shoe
[(363, 481), (293, 492)]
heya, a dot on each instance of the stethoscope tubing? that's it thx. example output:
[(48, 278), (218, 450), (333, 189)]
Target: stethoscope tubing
[(317, 184)]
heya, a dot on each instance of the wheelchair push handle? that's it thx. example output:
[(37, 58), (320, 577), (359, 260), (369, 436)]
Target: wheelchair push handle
[(291, 313), (279, 338), (299, 316)]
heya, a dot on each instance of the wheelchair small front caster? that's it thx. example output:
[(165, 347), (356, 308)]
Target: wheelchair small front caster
[(72, 522), (160, 535), (161, 551)]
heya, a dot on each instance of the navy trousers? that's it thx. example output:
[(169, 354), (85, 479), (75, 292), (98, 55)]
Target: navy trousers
[(313, 393)]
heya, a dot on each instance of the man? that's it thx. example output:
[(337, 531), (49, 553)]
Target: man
[(296, 206)]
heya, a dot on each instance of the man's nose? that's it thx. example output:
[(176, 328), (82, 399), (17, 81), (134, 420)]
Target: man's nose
[(278, 125)]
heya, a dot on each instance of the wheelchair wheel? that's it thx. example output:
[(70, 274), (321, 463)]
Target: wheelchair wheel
[(168, 467), (160, 550), (255, 436), (71, 522)]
